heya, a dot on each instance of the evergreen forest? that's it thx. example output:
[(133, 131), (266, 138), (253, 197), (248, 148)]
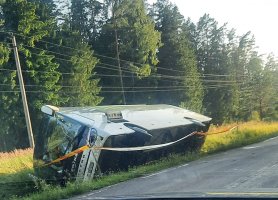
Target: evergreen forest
[(107, 52)]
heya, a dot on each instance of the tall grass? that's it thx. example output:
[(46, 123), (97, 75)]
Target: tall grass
[(20, 163), (14, 169), (16, 161), (246, 133)]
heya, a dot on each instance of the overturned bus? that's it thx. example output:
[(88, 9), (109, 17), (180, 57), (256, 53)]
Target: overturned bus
[(127, 128)]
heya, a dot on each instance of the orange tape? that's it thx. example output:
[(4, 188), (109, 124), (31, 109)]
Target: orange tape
[(214, 133), (86, 147), (70, 154)]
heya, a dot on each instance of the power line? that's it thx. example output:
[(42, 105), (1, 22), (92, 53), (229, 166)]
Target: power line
[(127, 70), (219, 75), (3, 69), (181, 78), (47, 72), (201, 75), (114, 75), (9, 43), (114, 66), (107, 75), (181, 88), (135, 87), (111, 91), (70, 61), (53, 52), (100, 66), (63, 46), (223, 83), (74, 92)]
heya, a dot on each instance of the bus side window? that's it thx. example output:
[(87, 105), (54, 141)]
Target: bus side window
[(92, 136), (84, 138)]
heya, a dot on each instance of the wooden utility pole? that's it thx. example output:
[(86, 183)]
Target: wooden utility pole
[(117, 52), (23, 95), (119, 67)]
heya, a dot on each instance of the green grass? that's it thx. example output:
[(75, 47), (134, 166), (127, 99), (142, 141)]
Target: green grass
[(14, 169), (16, 161), (247, 133), (54, 192)]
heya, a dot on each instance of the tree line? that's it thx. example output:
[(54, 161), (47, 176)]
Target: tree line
[(103, 52)]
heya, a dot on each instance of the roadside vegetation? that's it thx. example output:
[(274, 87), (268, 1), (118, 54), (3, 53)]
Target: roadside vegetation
[(14, 169), (95, 52), (16, 161), (78, 52), (246, 133), (17, 165)]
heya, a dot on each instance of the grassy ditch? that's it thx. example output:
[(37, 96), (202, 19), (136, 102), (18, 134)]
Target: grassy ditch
[(246, 133), (14, 169)]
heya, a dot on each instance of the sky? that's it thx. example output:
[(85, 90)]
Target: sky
[(258, 16)]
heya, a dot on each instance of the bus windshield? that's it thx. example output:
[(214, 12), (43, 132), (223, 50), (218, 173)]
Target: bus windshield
[(60, 137)]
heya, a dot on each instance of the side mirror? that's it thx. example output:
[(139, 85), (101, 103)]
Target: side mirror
[(49, 110), (195, 121), (92, 136)]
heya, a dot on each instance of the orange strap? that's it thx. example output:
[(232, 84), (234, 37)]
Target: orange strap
[(70, 154), (86, 147), (214, 133)]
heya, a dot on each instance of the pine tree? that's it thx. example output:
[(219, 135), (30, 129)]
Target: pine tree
[(8, 115), (137, 41), (178, 57), (78, 68), (244, 53), (81, 85), (40, 71), (79, 17), (211, 55), (269, 93), (87, 16)]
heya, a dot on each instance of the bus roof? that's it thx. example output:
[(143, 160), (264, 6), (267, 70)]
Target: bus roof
[(147, 116)]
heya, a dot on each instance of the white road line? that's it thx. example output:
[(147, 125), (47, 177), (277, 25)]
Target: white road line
[(167, 170), (99, 191), (181, 166), (271, 139), (252, 147), (155, 174)]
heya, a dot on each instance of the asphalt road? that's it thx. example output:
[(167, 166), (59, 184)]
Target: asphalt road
[(246, 171)]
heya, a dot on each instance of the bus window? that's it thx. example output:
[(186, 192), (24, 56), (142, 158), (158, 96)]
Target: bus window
[(61, 134)]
